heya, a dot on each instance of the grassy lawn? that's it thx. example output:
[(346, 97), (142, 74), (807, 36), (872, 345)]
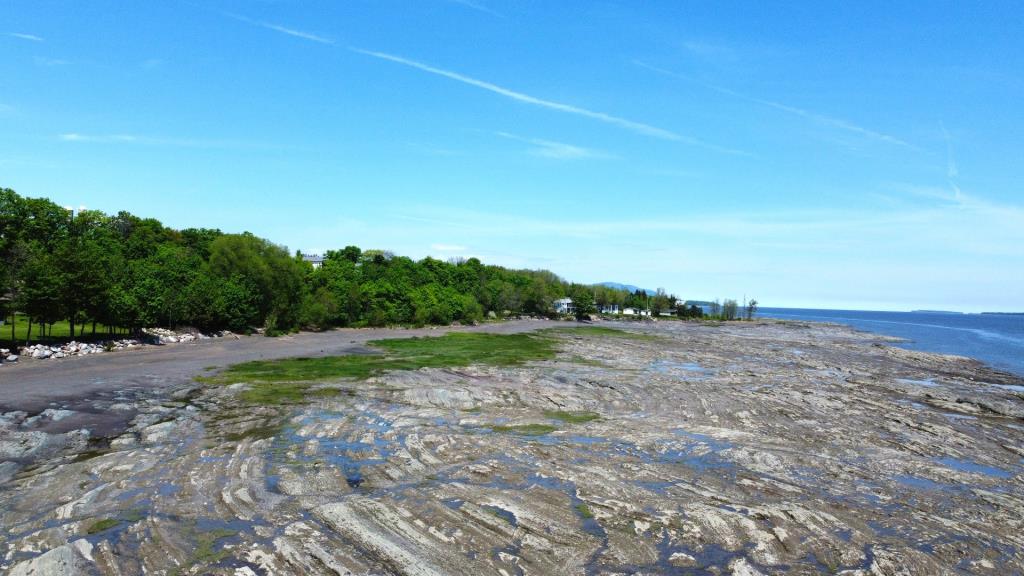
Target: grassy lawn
[(61, 332), (291, 380)]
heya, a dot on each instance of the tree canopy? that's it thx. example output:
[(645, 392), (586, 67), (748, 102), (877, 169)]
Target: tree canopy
[(125, 270)]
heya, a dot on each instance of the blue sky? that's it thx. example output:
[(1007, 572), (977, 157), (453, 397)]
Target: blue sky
[(853, 155)]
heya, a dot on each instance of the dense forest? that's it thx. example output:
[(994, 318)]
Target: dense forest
[(90, 268)]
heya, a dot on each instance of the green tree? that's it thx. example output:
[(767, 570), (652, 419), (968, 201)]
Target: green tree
[(729, 309), (42, 296), (751, 309), (268, 269), (583, 301)]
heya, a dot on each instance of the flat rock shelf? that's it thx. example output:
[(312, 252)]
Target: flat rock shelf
[(661, 448)]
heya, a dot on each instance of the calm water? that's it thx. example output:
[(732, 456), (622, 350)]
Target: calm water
[(995, 339)]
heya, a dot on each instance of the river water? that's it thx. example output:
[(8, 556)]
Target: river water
[(995, 339)]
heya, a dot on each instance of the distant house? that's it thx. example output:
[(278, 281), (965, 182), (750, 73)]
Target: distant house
[(636, 312), (610, 309), (564, 306), (315, 259), (705, 307)]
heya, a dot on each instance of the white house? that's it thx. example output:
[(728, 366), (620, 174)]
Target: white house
[(564, 306), (315, 259), (610, 309), (636, 312)]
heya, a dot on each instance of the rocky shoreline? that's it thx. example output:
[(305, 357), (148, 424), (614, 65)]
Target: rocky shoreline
[(742, 448)]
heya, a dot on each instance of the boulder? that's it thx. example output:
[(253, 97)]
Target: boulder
[(16, 445), (56, 415), (158, 432), (61, 561)]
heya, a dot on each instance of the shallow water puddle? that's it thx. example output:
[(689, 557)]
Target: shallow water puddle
[(921, 483), (690, 370), (973, 467), (926, 382)]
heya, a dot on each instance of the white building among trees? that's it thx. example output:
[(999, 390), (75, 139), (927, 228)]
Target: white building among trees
[(315, 259), (564, 306)]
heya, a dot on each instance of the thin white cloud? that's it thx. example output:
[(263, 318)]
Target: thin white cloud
[(916, 252), (23, 36), (448, 248), (478, 7), (822, 118), (76, 137), (50, 61), (6, 108), (283, 29), (556, 150), (638, 127), (132, 139), (709, 49), (958, 223)]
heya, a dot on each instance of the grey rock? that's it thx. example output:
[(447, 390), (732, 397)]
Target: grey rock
[(158, 432), (7, 471), (61, 561), (18, 445)]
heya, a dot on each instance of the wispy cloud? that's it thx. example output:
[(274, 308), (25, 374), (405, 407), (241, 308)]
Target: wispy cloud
[(6, 108), (709, 49), (133, 139), (283, 29), (556, 150), (76, 137), (638, 127), (41, 61), (632, 125), (958, 223), (478, 7), (933, 248), (23, 36), (822, 118), (448, 248)]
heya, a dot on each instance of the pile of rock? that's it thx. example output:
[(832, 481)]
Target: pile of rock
[(165, 336), (7, 356), (43, 351), (149, 336)]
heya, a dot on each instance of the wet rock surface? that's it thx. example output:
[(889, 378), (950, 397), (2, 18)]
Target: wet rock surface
[(746, 448)]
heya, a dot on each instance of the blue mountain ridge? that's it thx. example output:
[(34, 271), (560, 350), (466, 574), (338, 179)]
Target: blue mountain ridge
[(630, 287)]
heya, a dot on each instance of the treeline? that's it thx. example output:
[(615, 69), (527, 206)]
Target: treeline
[(91, 268)]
